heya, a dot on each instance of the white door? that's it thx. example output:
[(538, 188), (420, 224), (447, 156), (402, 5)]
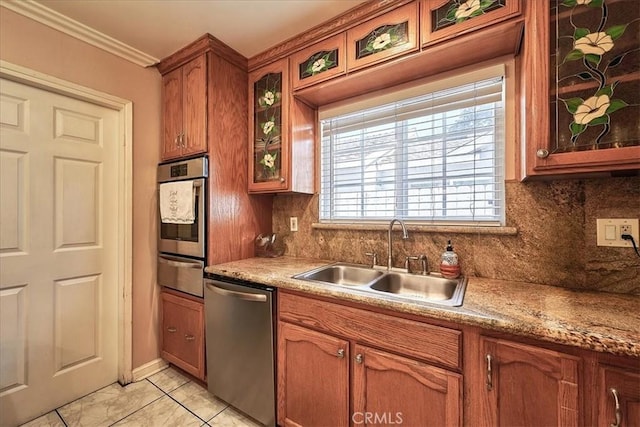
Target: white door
[(58, 250)]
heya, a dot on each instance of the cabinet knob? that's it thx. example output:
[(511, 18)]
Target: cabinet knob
[(618, 410), (171, 329), (340, 353), (359, 358), (282, 180), (542, 153), (189, 337), (489, 373)]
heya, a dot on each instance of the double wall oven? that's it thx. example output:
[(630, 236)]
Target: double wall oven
[(182, 245)]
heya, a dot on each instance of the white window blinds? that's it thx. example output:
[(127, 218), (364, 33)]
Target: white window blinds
[(437, 157)]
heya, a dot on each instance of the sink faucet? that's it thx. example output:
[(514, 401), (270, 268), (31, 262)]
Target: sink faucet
[(405, 235)]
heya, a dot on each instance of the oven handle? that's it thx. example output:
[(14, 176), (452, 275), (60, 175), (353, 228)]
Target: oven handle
[(236, 294), (179, 264)]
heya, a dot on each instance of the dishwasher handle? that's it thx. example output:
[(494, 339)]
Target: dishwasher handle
[(240, 295)]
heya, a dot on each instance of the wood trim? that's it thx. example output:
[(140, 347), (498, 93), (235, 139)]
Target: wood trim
[(205, 43), (329, 28)]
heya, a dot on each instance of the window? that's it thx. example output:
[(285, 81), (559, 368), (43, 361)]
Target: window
[(434, 157)]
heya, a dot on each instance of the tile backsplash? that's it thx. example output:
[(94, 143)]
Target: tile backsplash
[(555, 243)]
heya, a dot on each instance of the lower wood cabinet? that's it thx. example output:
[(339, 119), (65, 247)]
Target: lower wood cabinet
[(619, 397), (528, 386), (339, 379), (183, 333)]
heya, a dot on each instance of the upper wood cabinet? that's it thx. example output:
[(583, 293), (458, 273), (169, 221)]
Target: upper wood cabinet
[(390, 35), (319, 62), (184, 109), (527, 386), (443, 19), (618, 396), (281, 134), (580, 78)]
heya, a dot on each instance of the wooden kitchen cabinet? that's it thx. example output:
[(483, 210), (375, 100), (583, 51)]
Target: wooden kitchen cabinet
[(313, 378), (319, 62), (391, 361), (444, 19), (618, 396), (184, 109), (396, 388), (526, 385), (582, 111), (281, 134), (388, 36), (183, 333)]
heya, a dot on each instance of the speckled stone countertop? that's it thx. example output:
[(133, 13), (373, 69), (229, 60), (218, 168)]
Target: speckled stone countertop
[(597, 321)]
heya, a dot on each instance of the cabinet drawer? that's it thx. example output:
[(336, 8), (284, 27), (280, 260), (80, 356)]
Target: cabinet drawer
[(384, 37), (408, 337), (322, 61)]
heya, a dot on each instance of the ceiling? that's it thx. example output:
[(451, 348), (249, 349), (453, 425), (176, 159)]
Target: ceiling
[(160, 27)]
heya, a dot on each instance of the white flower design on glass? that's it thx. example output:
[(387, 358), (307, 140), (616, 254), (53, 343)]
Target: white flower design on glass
[(592, 108), (269, 161), (318, 65), (467, 8), (268, 98), (267, 127), (583, 1), (594, 43), (381, 41)]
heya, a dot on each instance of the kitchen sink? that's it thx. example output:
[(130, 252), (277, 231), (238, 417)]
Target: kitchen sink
[(342, 274), (431, 288)]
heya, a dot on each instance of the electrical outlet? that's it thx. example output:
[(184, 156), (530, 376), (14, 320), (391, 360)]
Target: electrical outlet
[(610, 230), (293, 223)]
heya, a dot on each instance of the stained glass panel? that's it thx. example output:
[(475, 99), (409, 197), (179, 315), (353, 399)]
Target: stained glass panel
[(267, 127), (382, 38), (318, 63), (456, 11)]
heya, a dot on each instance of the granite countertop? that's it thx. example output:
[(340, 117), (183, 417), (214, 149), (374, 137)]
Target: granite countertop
[(598, 321)]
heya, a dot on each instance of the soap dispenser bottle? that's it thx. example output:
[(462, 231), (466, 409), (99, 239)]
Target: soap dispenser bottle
[(449, 264)]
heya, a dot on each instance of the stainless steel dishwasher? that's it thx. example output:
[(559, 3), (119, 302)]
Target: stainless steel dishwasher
[(239, 345)]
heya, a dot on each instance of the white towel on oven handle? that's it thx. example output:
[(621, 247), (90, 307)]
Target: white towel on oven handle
[(177, 202)]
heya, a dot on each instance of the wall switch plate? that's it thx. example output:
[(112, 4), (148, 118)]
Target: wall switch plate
[(609, 231), (293, 223)]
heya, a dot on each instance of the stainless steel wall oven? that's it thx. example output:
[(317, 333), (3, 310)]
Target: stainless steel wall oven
[(182, 244)]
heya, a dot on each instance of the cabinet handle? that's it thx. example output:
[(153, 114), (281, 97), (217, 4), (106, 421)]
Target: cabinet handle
[(542, 153), (618, 410), (177, 141), (182, 140), (340, 353), (172, 329), (189, 337), (359, 358), (489, 373)]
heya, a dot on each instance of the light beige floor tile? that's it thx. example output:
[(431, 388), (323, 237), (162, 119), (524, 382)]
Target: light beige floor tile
[(47, 420), (163, 412), (108, 405), (168, 380), (232, 418), (198, 400)]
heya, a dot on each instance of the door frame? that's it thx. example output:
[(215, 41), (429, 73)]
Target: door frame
[(124, 247)]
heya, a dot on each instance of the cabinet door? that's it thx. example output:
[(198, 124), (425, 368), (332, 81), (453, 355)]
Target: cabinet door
[(619, 397), (183, 333), (389, 389), (194, 93), (388, 36), (528, 386), (319, 62), (581, 71), (313, 378), (269, 126), (172, 114), (444, 19)]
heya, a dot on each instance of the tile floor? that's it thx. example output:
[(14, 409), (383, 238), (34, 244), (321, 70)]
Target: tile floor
[(166, 398)]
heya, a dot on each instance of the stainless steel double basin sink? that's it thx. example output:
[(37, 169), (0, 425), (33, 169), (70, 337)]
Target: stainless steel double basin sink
[(430, 288)]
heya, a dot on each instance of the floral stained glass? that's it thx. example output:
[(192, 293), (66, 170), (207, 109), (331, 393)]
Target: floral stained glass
[(595, 74), (267, 127), (456, 11), (382, 38), (318, 63)]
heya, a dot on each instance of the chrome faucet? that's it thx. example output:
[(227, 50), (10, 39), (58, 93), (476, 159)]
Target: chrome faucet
[(405, 235)]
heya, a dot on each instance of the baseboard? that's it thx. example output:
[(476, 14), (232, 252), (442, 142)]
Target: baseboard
[(148, 369)]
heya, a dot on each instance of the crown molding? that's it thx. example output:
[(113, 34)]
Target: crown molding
[(49, 17)]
